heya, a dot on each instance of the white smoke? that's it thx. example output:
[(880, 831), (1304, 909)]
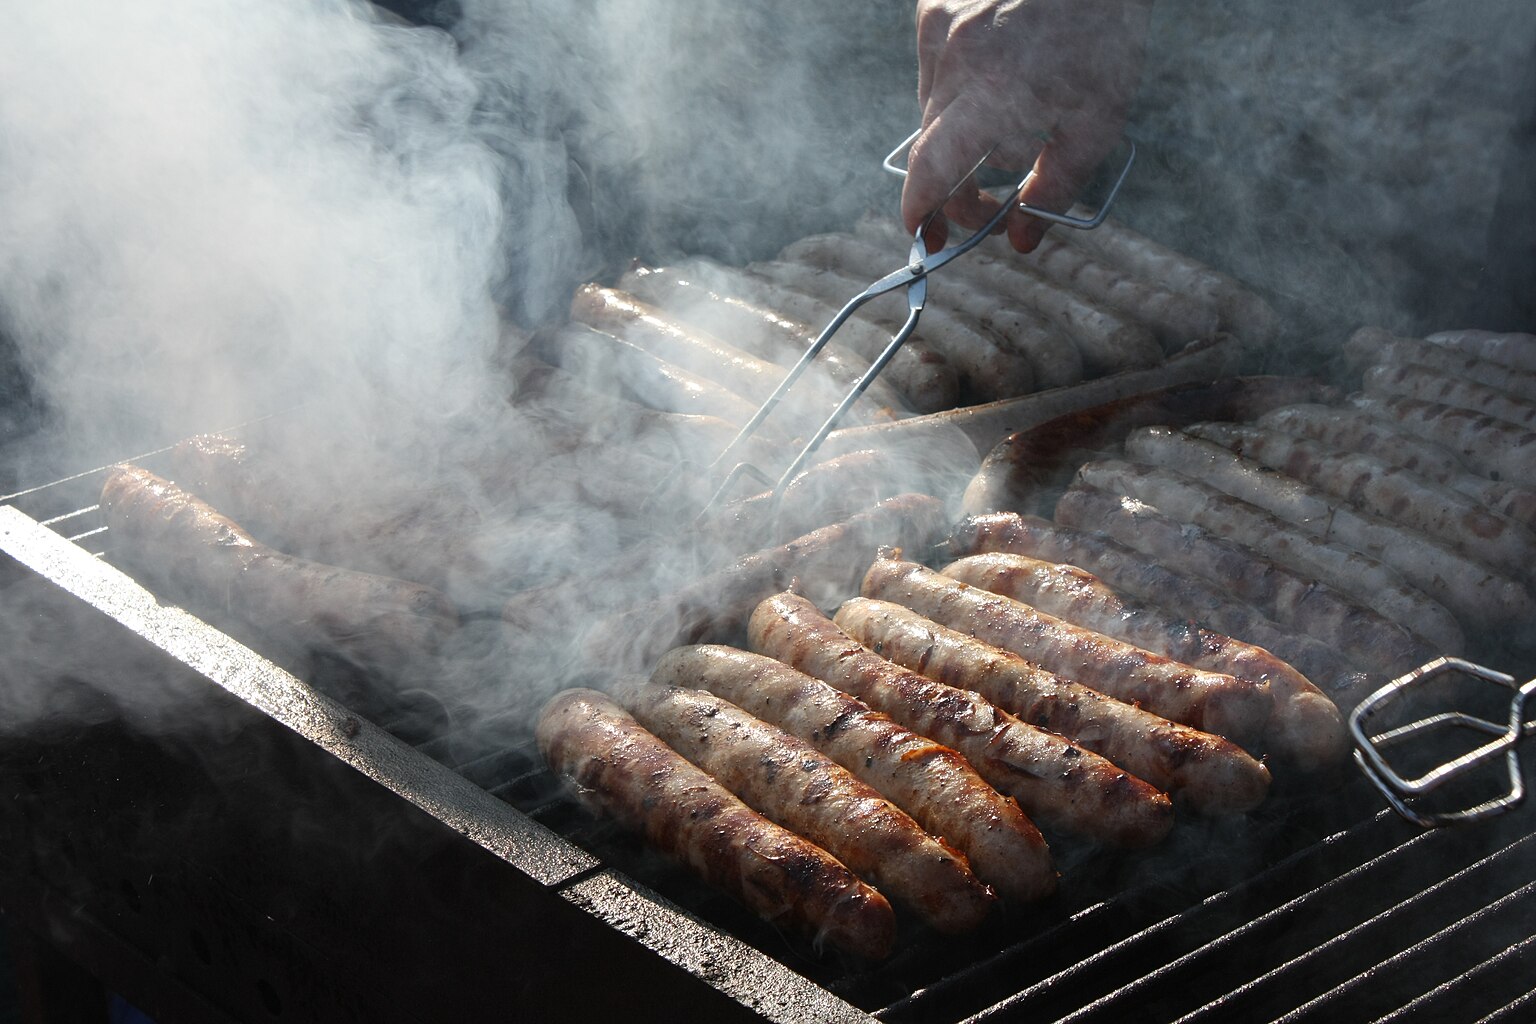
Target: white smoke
[(211, 209)]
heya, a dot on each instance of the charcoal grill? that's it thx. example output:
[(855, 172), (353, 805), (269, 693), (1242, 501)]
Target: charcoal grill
[(281, 849)]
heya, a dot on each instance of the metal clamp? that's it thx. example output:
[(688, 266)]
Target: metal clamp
[(1402, 793), (1080, 223)]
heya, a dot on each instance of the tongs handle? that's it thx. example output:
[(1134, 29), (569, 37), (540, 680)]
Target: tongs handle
[(1066, 219), (913, 277)]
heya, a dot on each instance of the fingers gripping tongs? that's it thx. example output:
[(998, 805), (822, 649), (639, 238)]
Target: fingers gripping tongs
[(914, 277)]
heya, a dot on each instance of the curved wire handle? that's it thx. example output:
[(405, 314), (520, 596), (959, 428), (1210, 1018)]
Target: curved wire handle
[(1080, 223), (914, 277)]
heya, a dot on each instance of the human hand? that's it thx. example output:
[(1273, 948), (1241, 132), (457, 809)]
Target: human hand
[(1049, 82)]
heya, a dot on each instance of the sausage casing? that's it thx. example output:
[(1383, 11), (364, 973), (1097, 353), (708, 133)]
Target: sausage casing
[(790, 782), (626, 772), (931, 782), (1057, 782), (1304, 727), (1210, 701)]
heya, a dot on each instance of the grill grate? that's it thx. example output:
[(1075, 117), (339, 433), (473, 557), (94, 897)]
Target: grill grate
[(1309, 910)]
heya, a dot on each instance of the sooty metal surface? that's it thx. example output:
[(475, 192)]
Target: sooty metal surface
[(330, 867)]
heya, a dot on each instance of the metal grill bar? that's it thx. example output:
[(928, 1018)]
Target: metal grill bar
[(1367, 989), (1493, 980), (1245, 999), (1095, 951), (1521, 1009)]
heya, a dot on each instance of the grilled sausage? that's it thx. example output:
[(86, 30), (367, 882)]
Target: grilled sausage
[(624, 771), (1354, 430), (1304, 727), (917, 369), (1468, 588), (1380, 489), (1209, 701), (755, 328), (790, 782), (1372, 345), (1058, 783), (1498, 449), (1054, 358), (1149, 580), (1175, 318), (1413, 380), (422, 537), (1242, 312), (179, 542), (1515, 350), (1107, 341), (1210, 774), (1373, 641), (608, 363), (929, 781), (1362, 578), (621, 314), (985, 369)]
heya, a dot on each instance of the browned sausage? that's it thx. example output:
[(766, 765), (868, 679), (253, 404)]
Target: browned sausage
[(624, 771), (1382, 489), (1304, 727), (931, 782), (758, 329), (1299, 601), (1057, 782), (181, 543), (1363, 578), (1212, 775), (1211, 701), (1152, 580), (792, 783), (1466, 586)]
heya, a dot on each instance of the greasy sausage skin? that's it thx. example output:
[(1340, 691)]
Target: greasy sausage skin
[(1304, 727), (1211, 701), (178, 541), (1211, 775), (789, 782), (931, 782), (1057, 782), (622, 770)]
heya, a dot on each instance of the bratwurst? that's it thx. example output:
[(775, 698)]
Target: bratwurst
[(178, 541), (1211, 701), (790, 782), (622, 770), (929, 781), (1213, 775), (1304, 728), (1057, 782)]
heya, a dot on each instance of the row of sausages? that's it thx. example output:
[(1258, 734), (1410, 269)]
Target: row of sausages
[(698, 336), (1356, 539), (917, 698)]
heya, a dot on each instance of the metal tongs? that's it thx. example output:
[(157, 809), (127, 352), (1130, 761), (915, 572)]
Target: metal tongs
[(1404, 794), (914, 277)]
